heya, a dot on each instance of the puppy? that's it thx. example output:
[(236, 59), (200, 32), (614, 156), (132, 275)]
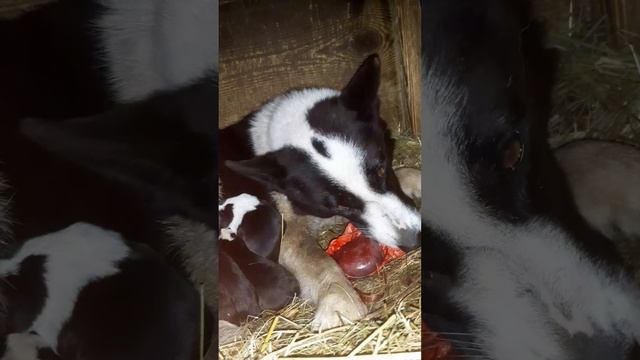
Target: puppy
[(251, 280), (85, 293)]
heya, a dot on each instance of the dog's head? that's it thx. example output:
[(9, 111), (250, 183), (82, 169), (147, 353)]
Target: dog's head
[(486, 83), (330, 153), (486, 88)]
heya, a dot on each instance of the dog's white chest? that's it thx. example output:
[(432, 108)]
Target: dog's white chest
[(532, 292)]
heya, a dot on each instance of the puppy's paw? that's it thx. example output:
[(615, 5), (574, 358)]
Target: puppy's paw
[(338, 304)]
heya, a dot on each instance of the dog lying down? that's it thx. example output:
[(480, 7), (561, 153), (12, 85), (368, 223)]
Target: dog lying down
[(319, 154), (250, 278), (64, 293)]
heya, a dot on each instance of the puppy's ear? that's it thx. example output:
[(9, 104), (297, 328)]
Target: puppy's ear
[(265, 169), (361, 93)]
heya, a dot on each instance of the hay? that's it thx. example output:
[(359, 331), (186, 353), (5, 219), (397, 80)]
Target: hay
[(407, 152), (392, 326), (597, 93)]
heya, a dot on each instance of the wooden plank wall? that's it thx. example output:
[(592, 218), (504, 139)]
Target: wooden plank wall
[(267, 47), (625, 20)]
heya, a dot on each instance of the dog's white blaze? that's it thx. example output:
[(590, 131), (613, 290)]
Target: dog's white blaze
[(158, 45), (242, 204), (384, 214), (76, 256), (501, 262)]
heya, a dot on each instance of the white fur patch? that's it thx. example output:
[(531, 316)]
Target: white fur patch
[(153, 45), (385, 214), (22, 347), (527, 286), (242, 205), (76, 256)]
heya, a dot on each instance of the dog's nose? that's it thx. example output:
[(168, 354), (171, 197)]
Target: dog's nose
[(409, 239)]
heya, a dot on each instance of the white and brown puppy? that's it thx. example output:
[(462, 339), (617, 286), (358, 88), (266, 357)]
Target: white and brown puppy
[(85, 293), (319, 153), (250, 278)]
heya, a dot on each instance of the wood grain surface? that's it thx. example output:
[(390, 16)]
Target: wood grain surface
[(267, 47), (10, 9)]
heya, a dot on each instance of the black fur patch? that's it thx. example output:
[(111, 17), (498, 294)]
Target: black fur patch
[(26, 293), (291, 172), (140, 311), (320, 148)]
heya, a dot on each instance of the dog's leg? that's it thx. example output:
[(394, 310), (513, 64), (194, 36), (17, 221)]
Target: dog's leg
[(409, 180), (22, 347), (227, 332), (320, 278)]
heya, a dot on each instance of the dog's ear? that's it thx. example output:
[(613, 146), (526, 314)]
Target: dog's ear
[(265, 169), (361, 93)]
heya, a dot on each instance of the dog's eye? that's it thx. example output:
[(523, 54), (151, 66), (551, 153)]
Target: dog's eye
[(513, 153), (380, 172)]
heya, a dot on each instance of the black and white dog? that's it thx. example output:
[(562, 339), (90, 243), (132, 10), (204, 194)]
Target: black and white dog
[(78, 57), (85, 293), (511, 271), (126, 101), (322, 153)]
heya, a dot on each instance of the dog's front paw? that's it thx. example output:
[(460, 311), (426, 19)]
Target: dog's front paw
[(338, 304), (410, 182)]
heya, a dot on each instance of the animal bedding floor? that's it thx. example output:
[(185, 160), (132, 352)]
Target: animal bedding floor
[(392, 326)]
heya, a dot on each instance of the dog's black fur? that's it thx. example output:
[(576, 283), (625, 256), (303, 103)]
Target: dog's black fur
[(72, 153), (354, 116), (480, 46)]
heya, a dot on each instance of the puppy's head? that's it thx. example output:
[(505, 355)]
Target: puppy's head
[(330, 153)]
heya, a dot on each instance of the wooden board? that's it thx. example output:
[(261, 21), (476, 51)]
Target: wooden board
[(10, 9), (625, 21), (268, 47)]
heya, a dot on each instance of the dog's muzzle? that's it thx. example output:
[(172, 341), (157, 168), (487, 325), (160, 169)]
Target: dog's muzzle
[(409, 239)]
